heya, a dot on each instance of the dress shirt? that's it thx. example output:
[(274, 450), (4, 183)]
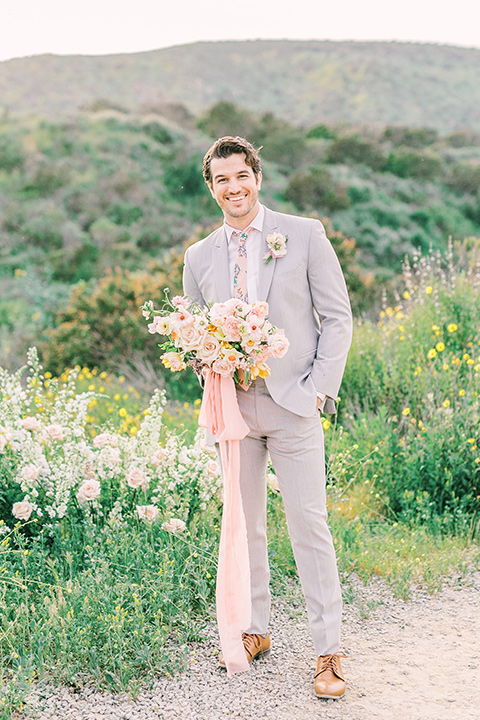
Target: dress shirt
[(254, 249)]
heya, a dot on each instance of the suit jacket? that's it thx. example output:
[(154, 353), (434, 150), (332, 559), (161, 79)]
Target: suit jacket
[(307, 297)]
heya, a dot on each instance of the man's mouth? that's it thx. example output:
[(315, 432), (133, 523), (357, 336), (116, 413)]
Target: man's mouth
[(237, 198)]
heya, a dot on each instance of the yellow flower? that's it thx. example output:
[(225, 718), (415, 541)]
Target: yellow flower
[(399, 315), (470, 361), (446, 366), (418, 370), (461, 393), (435, 327), (471, 440), (382, 314), (326, 423), (429, 289), (389, 311), (116, 397), (406, 294), (452, 327), (406, 411), (446, 403), (122, 412), (48, 375), (440, 346), (103, 375), (121, 379), (432, 353)]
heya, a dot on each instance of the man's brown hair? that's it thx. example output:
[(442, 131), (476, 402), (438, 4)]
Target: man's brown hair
[(226, 146)]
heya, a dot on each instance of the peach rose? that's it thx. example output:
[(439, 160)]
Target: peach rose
[(31, 423), (209, 349), (223, 367), (147, 512), (55, 432), (88, 490), (137, 478), (175, 525), (22, 510)]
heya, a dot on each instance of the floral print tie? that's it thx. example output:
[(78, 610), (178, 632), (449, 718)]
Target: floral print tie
[(240, 270)]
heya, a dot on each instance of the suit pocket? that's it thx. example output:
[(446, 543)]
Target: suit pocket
[(299, 270)]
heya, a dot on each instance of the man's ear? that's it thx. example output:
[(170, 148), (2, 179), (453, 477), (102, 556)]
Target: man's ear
[(210, 187), (259, 180)]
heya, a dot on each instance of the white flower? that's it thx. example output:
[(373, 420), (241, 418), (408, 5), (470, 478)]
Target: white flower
[(30, 472), (175, 525), (158, 457), (277, 244), (22, 510), (88, 490), (3, 442), (213, 468), (147, 512), (105, 438)]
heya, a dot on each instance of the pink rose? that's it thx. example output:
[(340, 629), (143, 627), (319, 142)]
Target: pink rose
[(22, 510), (279, 344), (147, 512), (175, 525), (88, 490), (230, 328), (137, 478), (31, 423), (55, 432), (260, 308), (223, 367), (191, 336), (158, 457), (103, 439)]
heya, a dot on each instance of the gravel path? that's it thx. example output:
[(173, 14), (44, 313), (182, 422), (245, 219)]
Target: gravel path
[(416, 660)]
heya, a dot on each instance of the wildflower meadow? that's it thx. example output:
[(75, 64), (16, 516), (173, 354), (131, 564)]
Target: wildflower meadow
[(110, 502)]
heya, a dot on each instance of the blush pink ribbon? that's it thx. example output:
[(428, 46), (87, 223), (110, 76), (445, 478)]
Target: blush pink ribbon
[(220, 414)]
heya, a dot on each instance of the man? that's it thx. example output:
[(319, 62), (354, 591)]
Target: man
[(307, 297)]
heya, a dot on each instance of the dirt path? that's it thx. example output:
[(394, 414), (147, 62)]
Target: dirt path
[(415, 660)]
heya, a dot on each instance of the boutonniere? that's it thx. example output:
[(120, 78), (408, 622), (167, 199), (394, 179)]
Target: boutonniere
[(278, 246)]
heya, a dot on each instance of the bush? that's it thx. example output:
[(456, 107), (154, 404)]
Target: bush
[(411, 137), (413, 164), (354, 149), (317, 190)]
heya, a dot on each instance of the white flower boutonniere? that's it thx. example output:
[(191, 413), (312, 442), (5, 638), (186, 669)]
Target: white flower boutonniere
[(278, 246)]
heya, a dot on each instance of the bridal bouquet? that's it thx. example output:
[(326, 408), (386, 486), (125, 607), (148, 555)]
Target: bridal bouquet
[(234, 338)]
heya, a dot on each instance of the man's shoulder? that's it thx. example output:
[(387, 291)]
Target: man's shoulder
[(285, 220), (207, 242)]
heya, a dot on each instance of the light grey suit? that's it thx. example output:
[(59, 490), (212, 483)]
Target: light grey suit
[(308, 298)]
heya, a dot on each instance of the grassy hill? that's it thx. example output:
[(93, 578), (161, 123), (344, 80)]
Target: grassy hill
[(304, 82)]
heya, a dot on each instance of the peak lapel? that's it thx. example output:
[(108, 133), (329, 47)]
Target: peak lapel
[(221, 268), (266, 270)]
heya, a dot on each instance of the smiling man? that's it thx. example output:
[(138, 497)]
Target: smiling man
[(307, 297)]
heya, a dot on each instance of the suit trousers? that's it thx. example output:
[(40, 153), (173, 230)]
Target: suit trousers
[(296, 448)]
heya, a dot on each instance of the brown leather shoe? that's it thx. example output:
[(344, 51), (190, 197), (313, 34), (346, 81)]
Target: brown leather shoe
[(254, 645), (329, 680)]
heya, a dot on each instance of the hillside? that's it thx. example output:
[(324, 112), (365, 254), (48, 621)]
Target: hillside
[(304, 82)]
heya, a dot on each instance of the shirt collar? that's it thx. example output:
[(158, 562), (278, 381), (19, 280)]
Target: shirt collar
[(257, 224)]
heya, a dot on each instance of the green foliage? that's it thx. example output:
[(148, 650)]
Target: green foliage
[(464, 178), (408, 163), (321, 131), (411, 137), (225, 118), (354, 149), (317, 190), (411, 387)]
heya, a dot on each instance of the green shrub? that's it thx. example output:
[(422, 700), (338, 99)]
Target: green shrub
[(316, 189), (354, 149), (408, 163)]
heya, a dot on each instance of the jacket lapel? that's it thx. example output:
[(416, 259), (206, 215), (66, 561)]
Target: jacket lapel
[(266, 270), (220, 266)]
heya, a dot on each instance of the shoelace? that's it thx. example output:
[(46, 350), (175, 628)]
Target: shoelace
[(331, 662)]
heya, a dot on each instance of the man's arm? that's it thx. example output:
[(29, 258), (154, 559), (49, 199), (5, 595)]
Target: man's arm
[(190, 286), (330, 300)]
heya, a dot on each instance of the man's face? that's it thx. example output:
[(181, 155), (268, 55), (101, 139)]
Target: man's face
[(235, 188)]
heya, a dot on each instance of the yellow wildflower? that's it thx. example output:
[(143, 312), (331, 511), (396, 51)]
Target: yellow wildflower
[(452, 327), (389, 311), (406, 411), (406, 294), (429, 289), (446, 403), (440, 346), (432, 353), (461, 393)]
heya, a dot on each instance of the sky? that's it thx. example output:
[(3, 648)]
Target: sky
[(100, 27)]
